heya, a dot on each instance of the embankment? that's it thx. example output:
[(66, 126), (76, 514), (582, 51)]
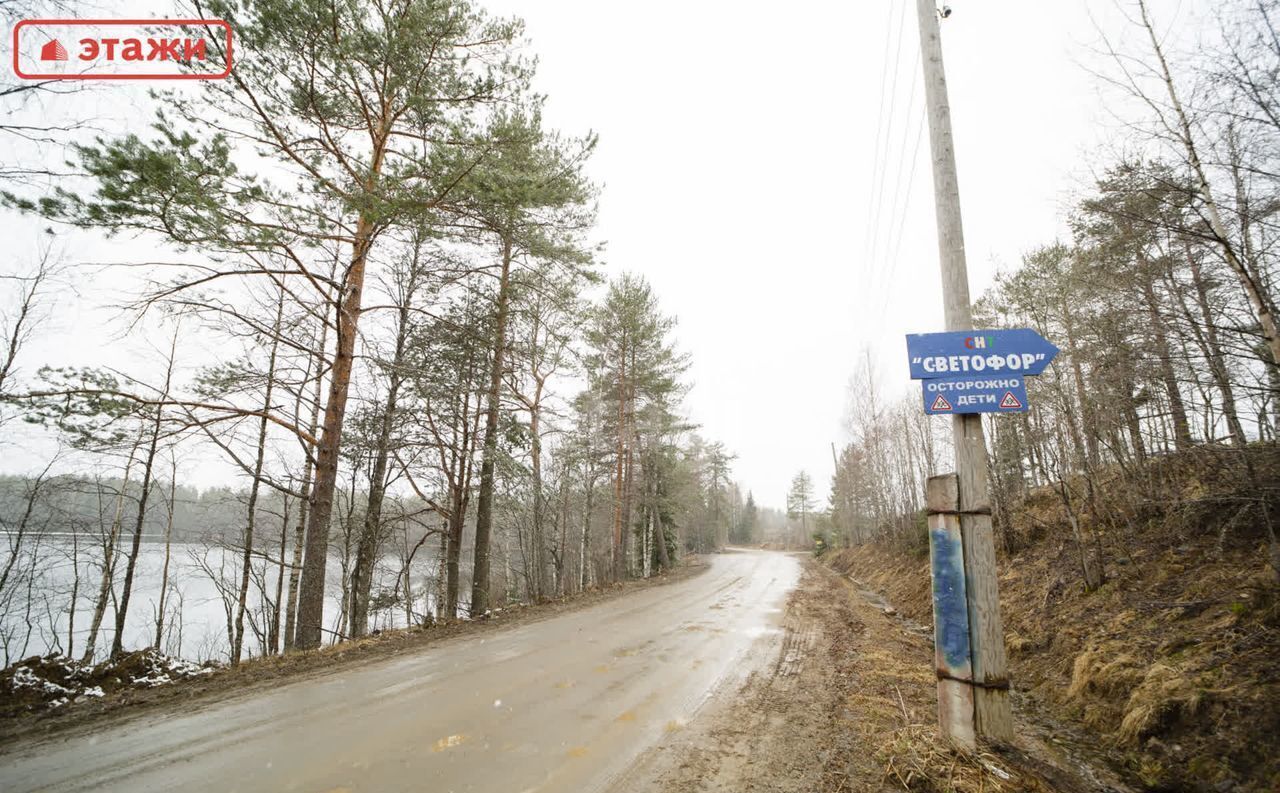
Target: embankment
[(1171, 664)]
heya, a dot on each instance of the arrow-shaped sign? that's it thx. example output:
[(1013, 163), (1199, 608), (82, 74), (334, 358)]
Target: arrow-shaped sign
[(966, 353)]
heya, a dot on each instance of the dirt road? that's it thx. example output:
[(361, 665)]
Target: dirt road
[(565, 704), (847, 705), (789, 727)]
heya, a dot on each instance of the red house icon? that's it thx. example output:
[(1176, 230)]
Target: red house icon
[(53, 51)]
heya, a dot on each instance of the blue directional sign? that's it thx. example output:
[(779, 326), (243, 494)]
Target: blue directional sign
[(1020, 351), (997, 393)]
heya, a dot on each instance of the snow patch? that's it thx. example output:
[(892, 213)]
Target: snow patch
[(53, 681)]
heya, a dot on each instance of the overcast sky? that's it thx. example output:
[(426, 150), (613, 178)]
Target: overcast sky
[(760, 167)]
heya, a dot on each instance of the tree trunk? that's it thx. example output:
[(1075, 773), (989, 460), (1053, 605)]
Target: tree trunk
[(629, 485), (619, 547), (1093, 577), (255, 487), (453, 553), (75, 593), (311, 593), (459, 494), (488, 460), (1133, 424), (1259, 300), (109, 561), (168, 537), (131, 559), (1086, 406), (304, 502), (539, 538), (585, 548), (122, 609), (1213, 351), (1177, 407), (664, 559), (274, 638), (371, 535), (561, 559), (312, 585), (441, 573)]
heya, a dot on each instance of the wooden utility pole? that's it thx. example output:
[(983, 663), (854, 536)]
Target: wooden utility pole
[(990, 682), (952, 650)]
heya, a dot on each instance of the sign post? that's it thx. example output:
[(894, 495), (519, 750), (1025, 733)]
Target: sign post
[(966, 373), (952, 652), (988, 682)]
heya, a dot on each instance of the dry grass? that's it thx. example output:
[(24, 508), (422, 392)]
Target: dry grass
[(916, 761), (893, 705), (1163, 696), (1097, 672), (1128, 699), (1170, 666)]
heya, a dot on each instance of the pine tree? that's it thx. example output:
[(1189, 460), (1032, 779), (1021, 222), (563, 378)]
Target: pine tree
[(635, 368), (352, 102), (800, 503), (529, 199)]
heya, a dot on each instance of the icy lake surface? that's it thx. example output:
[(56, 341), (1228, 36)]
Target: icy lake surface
[(196, 621)]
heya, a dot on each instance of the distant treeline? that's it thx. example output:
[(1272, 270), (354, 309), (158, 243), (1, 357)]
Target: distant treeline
[(80, 504)]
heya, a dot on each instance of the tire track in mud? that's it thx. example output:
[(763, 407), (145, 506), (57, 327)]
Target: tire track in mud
[(777, 731), (798, 641), (847, 704)]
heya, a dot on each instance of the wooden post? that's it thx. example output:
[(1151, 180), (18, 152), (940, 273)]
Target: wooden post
[(986, 633), (950, 612)]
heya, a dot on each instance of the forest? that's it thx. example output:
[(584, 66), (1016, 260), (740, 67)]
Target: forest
[(1162, 299), (435, 397), (386, 459), (1135, 504)]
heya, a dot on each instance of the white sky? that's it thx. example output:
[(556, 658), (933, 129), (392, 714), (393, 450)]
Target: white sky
[(737, 148)]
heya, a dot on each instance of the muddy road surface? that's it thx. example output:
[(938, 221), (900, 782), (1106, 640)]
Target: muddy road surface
[(563, 704)]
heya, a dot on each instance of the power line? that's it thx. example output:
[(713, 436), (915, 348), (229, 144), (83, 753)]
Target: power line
[(878, 177), (880, 264), (884, 265), (875, 153), (906, 204)]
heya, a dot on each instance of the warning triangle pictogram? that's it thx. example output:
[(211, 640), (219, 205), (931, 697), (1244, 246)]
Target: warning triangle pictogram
[(1010, 402), (941, 403)]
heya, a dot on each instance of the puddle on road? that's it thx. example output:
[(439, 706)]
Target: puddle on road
[(449, 742)]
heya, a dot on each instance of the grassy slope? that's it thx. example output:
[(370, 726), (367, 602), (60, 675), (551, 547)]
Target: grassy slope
[(1172, 663)]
